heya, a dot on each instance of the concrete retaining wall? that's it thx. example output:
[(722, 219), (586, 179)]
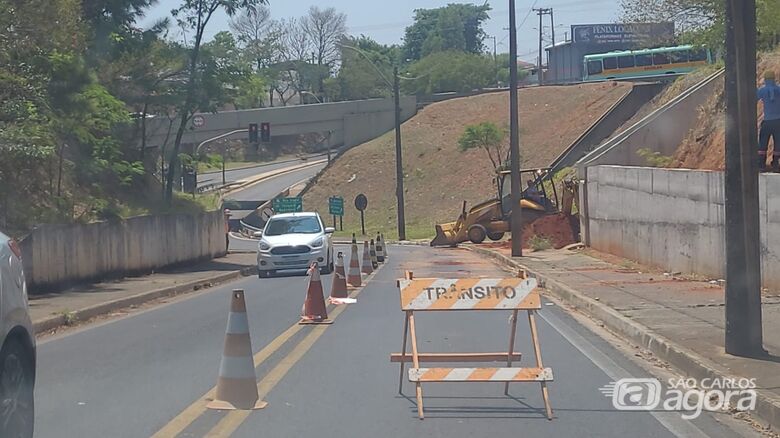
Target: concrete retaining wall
[(57, 256), (661, 131), (606, 125), (673, 218)]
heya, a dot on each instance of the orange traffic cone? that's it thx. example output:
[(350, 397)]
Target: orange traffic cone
[(314, 311), (372, 254), (237, 382), (380, 249), (367, 267), (353, 278), (338, 291)]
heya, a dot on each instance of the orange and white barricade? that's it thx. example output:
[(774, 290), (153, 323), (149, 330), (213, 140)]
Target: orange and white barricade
[(464, 294)]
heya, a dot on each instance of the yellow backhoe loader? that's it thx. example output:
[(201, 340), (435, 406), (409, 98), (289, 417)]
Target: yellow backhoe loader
[(490, 219)]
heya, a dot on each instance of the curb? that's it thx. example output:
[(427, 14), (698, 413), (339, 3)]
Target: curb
[(56, 321), (684, 359)]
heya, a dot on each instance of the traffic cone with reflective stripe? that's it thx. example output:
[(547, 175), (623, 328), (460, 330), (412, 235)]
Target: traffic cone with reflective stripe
[(338, 290), (354, 241), (353, 278), (380, 249), (384, 246), (237, 382), (314, 311), (372, 253), (367, 267), (339, 287)]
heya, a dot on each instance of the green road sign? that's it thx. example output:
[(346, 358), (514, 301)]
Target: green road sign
[(336, 205), (288, 205)]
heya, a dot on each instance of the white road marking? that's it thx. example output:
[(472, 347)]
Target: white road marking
[(670, 420)]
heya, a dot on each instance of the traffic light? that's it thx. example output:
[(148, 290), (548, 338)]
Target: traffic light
[(253, 133), (265, 132)]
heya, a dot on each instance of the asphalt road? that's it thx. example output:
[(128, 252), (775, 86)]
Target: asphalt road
[(269, 188), (148, 372), (237, 174)]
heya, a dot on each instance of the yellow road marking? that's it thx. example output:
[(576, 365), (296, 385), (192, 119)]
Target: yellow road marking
[(233, 419), (195, 410), (198, 408)]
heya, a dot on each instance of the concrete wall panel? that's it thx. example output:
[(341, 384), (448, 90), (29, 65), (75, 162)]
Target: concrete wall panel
[(56, 256)]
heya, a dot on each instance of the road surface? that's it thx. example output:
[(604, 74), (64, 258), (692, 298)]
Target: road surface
[(147, 373), (237, 174)]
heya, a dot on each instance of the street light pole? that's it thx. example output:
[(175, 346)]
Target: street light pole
[(516, 221), (743, 252), (399, 167)]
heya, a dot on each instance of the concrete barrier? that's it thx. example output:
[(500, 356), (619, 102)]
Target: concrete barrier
[(673, 218), (57, 256)]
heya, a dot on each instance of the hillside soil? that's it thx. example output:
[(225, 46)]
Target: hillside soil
[(438, 177)]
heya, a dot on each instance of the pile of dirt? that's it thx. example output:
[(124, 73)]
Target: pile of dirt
[(438, 176), (557, 228), (704, 146)]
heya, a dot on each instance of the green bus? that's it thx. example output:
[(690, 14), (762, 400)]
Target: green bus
[(644, 63)]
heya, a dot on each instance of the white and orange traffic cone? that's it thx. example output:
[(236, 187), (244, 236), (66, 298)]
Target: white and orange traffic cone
[(353, 276), (380, 249), (372, 254), (314, 311), (237, 382), (367, 267), (338, 291)]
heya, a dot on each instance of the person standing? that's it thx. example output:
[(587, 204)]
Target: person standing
[(769, 94), (227, 229)]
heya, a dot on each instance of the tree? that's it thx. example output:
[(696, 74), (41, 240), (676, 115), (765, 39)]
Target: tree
[(195, 15), (450, 71), (358, 77), (324, 29), (490, 138), (452, 27)]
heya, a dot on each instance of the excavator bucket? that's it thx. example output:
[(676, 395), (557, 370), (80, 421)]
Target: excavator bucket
[(445, 235)]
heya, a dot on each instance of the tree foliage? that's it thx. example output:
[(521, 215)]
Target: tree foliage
[(452, 27), (450, 71), (488, 137)]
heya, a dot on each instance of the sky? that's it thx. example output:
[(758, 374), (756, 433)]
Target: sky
[(385, 21)]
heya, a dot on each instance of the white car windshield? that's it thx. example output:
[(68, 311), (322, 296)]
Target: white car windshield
[(293, 225)]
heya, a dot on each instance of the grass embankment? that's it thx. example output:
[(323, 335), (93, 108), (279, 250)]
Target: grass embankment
[(438, 177)]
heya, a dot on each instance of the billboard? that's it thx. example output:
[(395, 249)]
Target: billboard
[(623, 34)]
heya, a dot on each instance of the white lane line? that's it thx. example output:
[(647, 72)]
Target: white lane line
[(670, 420)]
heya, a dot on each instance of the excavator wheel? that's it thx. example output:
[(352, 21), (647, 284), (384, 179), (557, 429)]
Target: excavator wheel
[(477, 234), (496, 235)]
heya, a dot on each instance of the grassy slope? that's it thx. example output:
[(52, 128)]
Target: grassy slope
[(438, 177)]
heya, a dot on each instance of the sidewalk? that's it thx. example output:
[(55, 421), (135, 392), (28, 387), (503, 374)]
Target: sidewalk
[(81, 303), (679, 320)]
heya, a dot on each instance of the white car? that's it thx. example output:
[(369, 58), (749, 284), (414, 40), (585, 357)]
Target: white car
[(292, 241), (17, 354)]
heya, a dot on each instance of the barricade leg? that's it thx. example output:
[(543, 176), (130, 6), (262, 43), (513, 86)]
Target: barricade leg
[(416, 363), (403, 355), (538, 354), (512, 335)]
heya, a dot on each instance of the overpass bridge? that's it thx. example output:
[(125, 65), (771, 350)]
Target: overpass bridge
[(349, 123)]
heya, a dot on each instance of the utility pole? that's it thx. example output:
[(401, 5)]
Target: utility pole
[(495, 59), (399, 167), (743, 254), (552, 27), (516, 221), (542, 12)]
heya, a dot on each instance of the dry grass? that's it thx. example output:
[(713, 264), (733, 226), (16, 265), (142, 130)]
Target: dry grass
[(438, 177)]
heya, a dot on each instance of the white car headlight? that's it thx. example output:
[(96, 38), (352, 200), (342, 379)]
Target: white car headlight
[(264, 246), (317, 243)]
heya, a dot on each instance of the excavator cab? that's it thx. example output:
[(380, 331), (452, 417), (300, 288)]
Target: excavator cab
[(490, 219)]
